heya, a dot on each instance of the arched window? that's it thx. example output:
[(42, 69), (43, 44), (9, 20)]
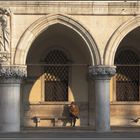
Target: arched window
[(127, 77), (56, 76)]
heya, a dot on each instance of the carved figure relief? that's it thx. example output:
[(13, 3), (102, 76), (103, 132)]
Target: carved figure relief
[(4, 35), (4, 32)]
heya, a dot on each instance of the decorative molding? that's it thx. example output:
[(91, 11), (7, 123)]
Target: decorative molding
[(73, 7), (101, 71), (13, 72)]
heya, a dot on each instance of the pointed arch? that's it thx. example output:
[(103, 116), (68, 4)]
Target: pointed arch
[(41, 25), (117, 37)]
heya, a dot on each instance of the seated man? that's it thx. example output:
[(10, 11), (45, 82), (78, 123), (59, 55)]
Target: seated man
[(74, 112)]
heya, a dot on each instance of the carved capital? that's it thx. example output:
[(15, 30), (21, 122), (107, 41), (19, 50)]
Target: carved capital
[(13, 72), (101, 72)]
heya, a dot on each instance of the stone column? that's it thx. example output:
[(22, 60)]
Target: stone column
[(10, 80), (101, 76)]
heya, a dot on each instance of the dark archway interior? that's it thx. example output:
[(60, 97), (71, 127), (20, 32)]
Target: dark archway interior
[(63, 38), (131, 41), (127, 60), (126, 81)]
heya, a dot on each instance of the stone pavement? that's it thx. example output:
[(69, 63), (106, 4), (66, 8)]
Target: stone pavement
[(73, 133)]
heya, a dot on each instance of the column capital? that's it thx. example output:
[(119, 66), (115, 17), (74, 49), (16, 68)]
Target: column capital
[(12, 72), (101, 72)]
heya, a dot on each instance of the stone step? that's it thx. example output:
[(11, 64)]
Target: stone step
[(57, 129), (81, 129), (73, 133)]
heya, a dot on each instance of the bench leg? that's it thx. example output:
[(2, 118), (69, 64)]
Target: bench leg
[(71, 120), (36, 124), (54, 122)]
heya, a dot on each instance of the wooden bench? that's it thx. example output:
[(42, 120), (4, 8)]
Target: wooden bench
[(37, 119)]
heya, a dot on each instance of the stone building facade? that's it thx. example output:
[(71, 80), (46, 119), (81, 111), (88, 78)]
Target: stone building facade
[(55, 52)]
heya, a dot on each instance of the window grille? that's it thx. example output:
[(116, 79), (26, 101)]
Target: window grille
[(56, 76), (127, 77)]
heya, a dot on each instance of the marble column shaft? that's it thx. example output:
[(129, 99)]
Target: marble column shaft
[(101, 76), (10, 80)]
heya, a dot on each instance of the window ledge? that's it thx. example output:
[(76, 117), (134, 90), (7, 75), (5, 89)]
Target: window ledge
[(50, 103), (125, 103)]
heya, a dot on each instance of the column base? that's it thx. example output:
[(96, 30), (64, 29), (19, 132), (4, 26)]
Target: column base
[(9, 128), (103, 129)]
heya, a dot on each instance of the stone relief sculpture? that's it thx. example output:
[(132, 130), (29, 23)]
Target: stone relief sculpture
[(4, 35)]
